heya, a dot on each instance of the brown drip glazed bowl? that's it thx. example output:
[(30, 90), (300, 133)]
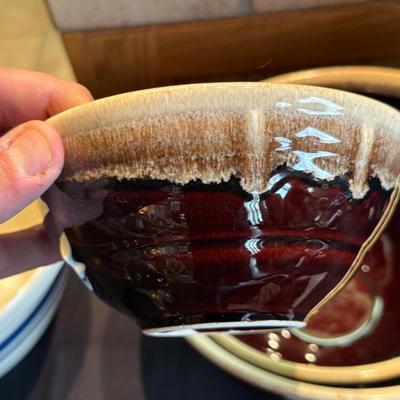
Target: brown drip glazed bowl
[(224, 207)]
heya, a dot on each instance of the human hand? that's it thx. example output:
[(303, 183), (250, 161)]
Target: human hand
[(31, 153), (31, 158)]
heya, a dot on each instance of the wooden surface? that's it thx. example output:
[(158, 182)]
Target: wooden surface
[(247, 48), (274, 5)]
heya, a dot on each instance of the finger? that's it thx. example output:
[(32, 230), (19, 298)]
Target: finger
[(31, 158), (27, 95)]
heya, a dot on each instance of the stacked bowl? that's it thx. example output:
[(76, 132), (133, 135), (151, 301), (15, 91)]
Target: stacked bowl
[(350, 348)]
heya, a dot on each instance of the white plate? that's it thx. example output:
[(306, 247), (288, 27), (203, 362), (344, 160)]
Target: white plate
[(29, 330), (29, 300)]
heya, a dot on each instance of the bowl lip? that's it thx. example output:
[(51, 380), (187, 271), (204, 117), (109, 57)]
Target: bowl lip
[(279, 384), (378, 80), (342, 375), (112, 122)]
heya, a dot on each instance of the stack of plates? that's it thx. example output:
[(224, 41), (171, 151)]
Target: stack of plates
[(28, 301)]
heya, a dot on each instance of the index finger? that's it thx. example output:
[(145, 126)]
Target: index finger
[(28, 95)]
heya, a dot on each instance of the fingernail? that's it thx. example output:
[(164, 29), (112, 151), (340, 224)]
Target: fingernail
[(30, 152)]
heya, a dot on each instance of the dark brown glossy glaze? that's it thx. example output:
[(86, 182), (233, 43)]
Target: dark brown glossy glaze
[(383, 275), (172, 254)]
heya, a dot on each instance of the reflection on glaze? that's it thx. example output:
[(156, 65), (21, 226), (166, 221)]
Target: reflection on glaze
[(326, 106), (254, 215), (253, 245), (285, 143), (305, 160), (306, 163), (283, 191), (317, 106), (322, 137)]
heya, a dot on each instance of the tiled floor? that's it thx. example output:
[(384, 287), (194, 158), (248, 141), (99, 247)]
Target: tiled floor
[(28, 39)]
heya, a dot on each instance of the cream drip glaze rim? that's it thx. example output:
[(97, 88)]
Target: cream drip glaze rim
[(212, 131)]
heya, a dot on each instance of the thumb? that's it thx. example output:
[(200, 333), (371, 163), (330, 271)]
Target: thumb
[(31, 158)]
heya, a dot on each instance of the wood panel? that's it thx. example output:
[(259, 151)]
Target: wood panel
[(251, 47)]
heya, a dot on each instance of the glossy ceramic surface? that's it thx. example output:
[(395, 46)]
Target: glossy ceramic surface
[(251, 224), (165, 253), (356, 330)]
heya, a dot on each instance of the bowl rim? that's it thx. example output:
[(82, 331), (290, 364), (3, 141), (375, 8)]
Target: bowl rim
[(362, 78), (92, 126), (343, 375), (276, 383)]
